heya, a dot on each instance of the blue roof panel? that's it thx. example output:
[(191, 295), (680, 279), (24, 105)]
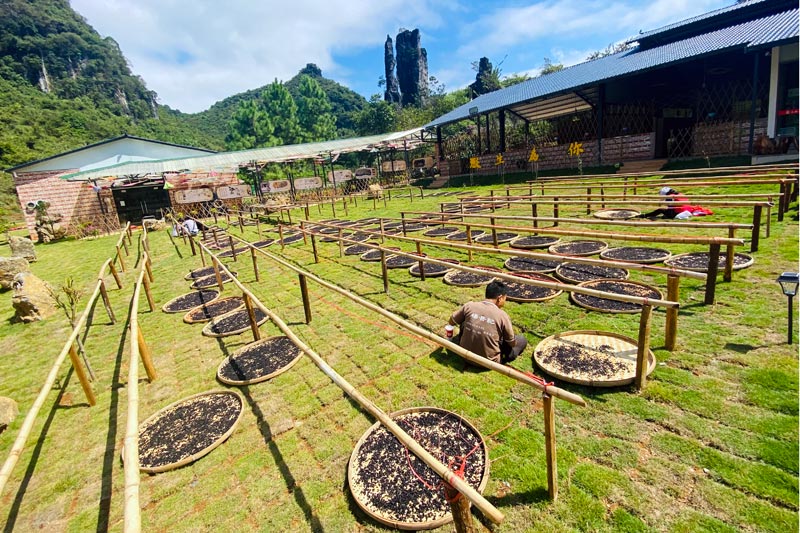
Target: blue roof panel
[(770, 30)]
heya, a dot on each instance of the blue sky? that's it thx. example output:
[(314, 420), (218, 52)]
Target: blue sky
[(194, 53)]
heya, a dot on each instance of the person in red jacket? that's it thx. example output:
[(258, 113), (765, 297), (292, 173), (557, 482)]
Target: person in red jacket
[(669, 211)]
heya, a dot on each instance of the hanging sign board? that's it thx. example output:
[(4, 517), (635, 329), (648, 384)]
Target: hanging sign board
[(276, 186), (340, 176), (227, 192), (191, 196), (302, 184)]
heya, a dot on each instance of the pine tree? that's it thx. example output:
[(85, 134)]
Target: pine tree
[(250, 127), (279, 106), (314, 116)]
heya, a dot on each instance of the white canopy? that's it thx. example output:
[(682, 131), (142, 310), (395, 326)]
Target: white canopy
[(232, 160)]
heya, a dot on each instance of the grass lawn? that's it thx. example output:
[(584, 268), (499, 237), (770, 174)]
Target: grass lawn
[(710, 444)]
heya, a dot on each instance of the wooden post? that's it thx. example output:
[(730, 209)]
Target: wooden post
[(550, 445), (202, 256), (144, 353), (491, 196), (125, 246), (255, 262), (603, 197), (305, 235), (671, 327), (713, 268), (333, 205), (344, 204), (469, 241), (769, 217), (374, 200), (384, 272), (149, 294), (421, 262), (241, 224), (216, 238), (258, 223), (115, 274), (289, 215), (729, 257), (643, 346), (588, 200), (252, 314), (107, 302), (341, 243), (148, 267), (756, 228), (306, 301), (535, 215), (232, 246), (280, 236), (217, 273), (121, 261), (382, 230), (555, 211), (459, 509), (494, 232), (85, 385), (314, 247)]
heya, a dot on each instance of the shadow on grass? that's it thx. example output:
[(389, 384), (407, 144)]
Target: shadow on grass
[(291, 483), (107, 482), (37, 450)]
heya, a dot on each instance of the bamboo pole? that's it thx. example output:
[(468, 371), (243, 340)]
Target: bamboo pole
[(191, 244), (132, 513), (384, 272), (756, 229), (145, 354), (306, 300), (671, 327), (148, 266), (713, 267), (421, 262), (459, 509), (550, 445), (468, 229), (729, 257), (252, 314), (255, 263), (149, 295), (114, 273), (107, 302), (314, 248), (82, 377), (233, 248), (217, 275), (202, 257), (121, 261), (643, 346)]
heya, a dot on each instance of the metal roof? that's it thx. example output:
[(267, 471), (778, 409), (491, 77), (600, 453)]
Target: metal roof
[(527, 97), (232, 160)]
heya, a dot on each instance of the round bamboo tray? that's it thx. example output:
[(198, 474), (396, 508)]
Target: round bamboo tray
[(461, 278), (402, 261), (248, 365), (219, 307), (211, 329), (289, 239), (640, 254), (413, 486), (529, 264), (578, 273), (502, 237), (698, 261), (520, 292), (239, 251), (199, 273), (616, 214), (443, 231), (591, 358), (462, 235), (618, 286), (432, 270), (203, 297), (188, 419), (211, 281), (581, 248), (375, 255), (530, 242)]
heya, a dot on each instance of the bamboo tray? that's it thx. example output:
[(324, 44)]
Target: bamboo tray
[(592, 247), (689, 261), (248, 365), (209, 329), (210, 294), (616, 214), (219, 307), (515, 288), (648, 255), (189, 412), (436, 270), (608, 359), (454, 277), (211, 281), (413, 487), (627, 287), (530, 242)]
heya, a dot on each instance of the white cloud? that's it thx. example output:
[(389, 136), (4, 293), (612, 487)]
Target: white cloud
[(194, 53)]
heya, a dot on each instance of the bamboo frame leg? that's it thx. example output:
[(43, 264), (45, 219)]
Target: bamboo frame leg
[(756, 228), (191, 245), (382, 234), (252, 314), (121, 261), (555, 211), (459, 508), (144, 353), (125, 246), (768, 224), (306, 300), (255, 263), (149, 294), (148, 267), (107, 302), (469, 240), (384, 272), (421, 262), (534, 213), (341, 243), (258, 223), (781, 201), (202, 256), (232, 246), (713, 269), (85, 385), (115, 274), (216, 237), (217, 274), (588, 200), (289, 215), (494, 232), (729, 257), (241, 224), (550, 445), (333, 206), (643, 348), (314, 248), (671, 327)]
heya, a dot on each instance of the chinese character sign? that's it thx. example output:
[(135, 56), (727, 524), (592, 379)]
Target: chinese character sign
[(474, 163), (575, 149), (534, 157), (499, 160)]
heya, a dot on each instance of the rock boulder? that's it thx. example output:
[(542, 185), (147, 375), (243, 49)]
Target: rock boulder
[(10, 267), (22, 247), (32, 300)]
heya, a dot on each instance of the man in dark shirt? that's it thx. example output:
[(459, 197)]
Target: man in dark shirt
[(485, 329)]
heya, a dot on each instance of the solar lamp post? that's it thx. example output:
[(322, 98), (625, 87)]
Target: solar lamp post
[(789, 282)]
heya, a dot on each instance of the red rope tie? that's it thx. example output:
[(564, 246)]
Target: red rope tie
[(539, 380), (646, 301)]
